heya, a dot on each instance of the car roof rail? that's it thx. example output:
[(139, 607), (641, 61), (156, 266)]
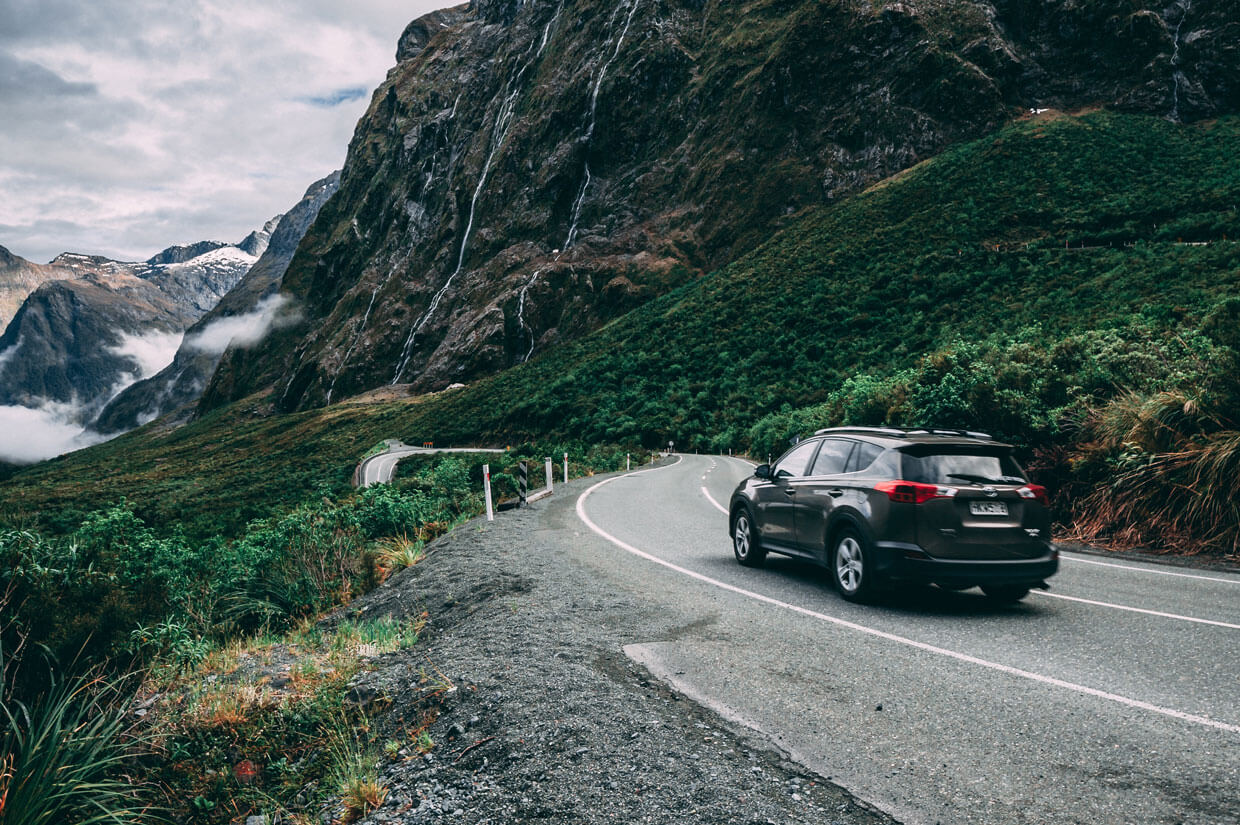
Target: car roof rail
[(892, 431), (961, 433), (900, 432)]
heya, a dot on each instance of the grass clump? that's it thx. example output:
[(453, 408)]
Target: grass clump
[(67, 756), (266, 724)]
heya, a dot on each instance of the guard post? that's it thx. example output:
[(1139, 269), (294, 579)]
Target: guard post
[(486, 491), (550, 473), (523, 481)]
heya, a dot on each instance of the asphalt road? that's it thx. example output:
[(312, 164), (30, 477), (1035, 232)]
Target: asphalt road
[(378, 469), (1115, 698)]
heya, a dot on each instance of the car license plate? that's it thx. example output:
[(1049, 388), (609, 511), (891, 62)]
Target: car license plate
[(988, 508)]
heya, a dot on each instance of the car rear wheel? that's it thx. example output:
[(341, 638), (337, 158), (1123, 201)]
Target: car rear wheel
[(1005, 593), (853, 576), (745, 544)]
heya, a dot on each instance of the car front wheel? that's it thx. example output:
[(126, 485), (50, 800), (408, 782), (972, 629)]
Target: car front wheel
[(745, 543), (853, 576)]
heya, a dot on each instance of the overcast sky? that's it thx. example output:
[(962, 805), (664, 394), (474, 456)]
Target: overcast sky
[(127, 126)]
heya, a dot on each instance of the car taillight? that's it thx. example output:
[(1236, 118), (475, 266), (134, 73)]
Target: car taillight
[(1035, 491), (913, 492)]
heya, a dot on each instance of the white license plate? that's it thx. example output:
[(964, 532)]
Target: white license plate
[(988, 508)]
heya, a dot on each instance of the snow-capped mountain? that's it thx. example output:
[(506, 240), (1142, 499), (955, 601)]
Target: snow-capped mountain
[(92, 326)]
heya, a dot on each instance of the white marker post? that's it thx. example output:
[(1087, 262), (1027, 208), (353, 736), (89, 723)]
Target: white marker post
[(628, 463), (550, 474), (486, 490), (565, 467)]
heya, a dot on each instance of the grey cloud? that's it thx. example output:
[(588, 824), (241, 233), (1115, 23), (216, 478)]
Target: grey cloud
[(190, 120), (23, 79), (335, 98)]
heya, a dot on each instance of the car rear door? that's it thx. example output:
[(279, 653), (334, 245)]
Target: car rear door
[(818, 493)]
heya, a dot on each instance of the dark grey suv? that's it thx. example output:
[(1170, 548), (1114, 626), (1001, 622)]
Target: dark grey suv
[(878, 505)]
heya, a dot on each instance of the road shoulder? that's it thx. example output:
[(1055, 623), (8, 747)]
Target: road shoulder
[(539, 714)]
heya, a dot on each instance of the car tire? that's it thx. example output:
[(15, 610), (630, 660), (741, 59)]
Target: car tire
[(850, 567), (745, 545), (1005, 593)]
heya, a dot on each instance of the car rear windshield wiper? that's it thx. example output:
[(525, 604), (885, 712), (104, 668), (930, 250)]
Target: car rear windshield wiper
[(986, 479)]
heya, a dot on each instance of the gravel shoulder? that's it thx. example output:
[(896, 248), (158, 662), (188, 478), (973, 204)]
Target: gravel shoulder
[(537, 712)]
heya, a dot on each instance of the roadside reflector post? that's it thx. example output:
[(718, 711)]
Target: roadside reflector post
[(523, 482), (566, 467), (628, 464), (550, 473), (486, 491)]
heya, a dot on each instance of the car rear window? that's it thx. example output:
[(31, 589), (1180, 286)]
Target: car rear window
[(962, 466)]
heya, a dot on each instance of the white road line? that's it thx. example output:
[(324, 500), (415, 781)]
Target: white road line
[(891, 637), (1147, 570), (711, 499), (1138, 610)]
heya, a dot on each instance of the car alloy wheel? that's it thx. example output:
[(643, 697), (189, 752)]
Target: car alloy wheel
[(745, 541), (849, 566)]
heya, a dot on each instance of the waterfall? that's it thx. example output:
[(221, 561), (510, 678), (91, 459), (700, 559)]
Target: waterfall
[(499, 133), (547, 30), (598, 83), (1177, 75), (521, 313)]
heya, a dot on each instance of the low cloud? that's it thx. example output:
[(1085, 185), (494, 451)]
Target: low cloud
[(149, 352), (335, 98), (241, 330), (28, 435)]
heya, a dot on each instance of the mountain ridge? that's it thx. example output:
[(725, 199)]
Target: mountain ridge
[(528, 172)]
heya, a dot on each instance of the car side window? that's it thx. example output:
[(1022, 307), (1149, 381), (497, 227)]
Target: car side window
[(796, 460), (863, 457), (833, 457)]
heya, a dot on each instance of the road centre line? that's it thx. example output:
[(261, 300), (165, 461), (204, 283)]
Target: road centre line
[(881, 634), (1075, 560), (1137, 610)]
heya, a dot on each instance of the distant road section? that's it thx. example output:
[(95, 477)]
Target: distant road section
[(378, 469)]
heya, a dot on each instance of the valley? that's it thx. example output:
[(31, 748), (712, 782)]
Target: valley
[(568, 228)]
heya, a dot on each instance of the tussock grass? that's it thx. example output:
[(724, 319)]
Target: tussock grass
[(63, 757)]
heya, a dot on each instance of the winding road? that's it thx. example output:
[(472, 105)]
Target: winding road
[(378, 468), (1113, 698)]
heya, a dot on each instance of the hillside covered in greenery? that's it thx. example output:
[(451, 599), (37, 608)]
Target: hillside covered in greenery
[(1018, 283)]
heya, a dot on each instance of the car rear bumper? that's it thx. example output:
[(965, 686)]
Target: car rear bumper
[(908, 562)]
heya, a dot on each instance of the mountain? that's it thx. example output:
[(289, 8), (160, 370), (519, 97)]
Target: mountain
[(19, 277), (78, 340), (245, 311), (528, 172)]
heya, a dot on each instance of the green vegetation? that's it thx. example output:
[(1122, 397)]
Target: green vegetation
[(62, 754), (1018, 283), (86, 591)]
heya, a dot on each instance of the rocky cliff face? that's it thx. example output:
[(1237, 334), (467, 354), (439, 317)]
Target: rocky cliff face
[(530, 170), (20, 277), (245, 312)]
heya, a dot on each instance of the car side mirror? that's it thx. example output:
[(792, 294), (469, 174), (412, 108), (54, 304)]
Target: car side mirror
[(762, 471)]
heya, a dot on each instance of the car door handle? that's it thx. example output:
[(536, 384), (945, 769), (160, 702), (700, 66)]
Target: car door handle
[(790, 491), (836, 493)]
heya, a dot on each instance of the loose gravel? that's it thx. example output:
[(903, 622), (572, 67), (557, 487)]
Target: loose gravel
[(535, 712)]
